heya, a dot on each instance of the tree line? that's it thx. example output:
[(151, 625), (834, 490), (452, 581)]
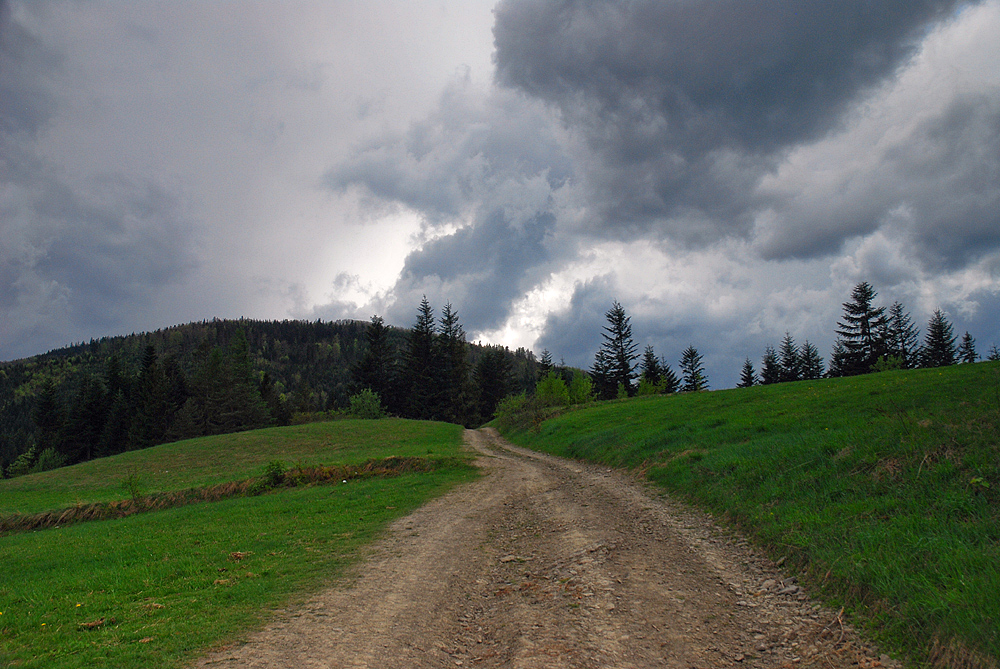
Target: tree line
[(870, 338)]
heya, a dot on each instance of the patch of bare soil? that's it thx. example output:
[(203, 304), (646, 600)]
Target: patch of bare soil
[(552, 563)]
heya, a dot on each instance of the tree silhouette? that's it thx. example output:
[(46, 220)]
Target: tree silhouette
[(692, 372), (939, 345), (859, 331)]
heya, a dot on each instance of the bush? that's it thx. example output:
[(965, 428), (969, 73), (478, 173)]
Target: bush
[(367, 404), (552, 391), (581, 389), (49, 459), (23, 464)]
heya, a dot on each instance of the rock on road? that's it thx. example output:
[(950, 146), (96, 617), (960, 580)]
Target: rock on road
[(546, 562)]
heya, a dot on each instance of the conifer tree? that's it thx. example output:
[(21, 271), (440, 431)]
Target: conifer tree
[(902, 338), (375, 370), (748, 376), (493, 376), (790, 364), (453, 360), (600, 377), (811, 362), (939, 345), (967, 349), (770, 368), (669, 381), (859, 331), (619, 349), (545, 364), (420, 365), (150, 407), (994, 354), (651, 371), (693, 372)]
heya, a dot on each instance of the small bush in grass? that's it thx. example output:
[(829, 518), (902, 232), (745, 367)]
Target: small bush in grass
[(272, 477), (49, 459), (132, 484), (23, 464), (367, 404)]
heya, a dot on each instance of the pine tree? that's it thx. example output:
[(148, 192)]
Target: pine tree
[(375, 371), (669, 383), (600, 377), (939, 344), (150, 407), (619, 349), (493, 376), (858, 331), (651, 371), (748, 377), (811, 362), (693, 373), (545, 364), (790, 365), (902, 339), (420, 366), (994, 354), (967, 349), (453, 358), (49, 418), (770, 368)]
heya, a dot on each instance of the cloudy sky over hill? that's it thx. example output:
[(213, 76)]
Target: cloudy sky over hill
[(726, 170)]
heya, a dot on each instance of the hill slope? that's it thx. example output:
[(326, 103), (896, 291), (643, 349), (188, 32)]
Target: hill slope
[(884, 489)]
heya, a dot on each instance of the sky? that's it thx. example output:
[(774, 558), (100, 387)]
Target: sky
[(725, 170)]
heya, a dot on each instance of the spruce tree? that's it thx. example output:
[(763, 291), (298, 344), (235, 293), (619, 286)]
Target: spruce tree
[(994, 354), (770, 368), (967, 349), (150, 406), (619, 349), (456, 400), (375, 371), (902, 338), (811, 362), (939, 344), (692, 372), (600, 377), (790, 364), (748, 376), (651, 371), (669, 383), (493, 377), (420, 365), (859, 331), (545, 364)]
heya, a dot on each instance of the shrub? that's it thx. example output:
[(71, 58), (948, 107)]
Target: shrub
[(23, 464), (48, 459), (367, 404), (581, 389), (551, 391)]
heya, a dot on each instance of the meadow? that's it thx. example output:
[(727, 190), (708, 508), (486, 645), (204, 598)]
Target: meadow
[(883, 490), (159, 588)]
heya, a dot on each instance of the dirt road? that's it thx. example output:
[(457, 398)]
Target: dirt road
[(552, 563)]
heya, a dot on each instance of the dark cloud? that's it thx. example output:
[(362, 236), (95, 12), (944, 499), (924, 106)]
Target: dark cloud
[(76, 258), (684, 106)]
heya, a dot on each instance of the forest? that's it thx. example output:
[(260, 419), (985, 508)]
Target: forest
[(123, 393)]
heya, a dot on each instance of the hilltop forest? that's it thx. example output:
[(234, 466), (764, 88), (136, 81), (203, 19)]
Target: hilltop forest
[(123, 393)]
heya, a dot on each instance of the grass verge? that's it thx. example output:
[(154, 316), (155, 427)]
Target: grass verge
[(158, 589), (883, 489)]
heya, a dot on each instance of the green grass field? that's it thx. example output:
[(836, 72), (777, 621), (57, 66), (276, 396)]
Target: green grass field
[(884, 489), (158, 589)]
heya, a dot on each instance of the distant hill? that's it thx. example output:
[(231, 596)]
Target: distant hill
[(119, 393)]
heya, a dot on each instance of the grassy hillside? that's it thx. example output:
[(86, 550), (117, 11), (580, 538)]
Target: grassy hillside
[(884, 489), (157, 589)]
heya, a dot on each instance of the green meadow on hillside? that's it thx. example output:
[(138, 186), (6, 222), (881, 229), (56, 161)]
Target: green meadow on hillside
[(884, 489), (158, 588)]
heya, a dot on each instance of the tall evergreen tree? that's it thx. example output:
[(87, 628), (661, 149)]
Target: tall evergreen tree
[(692, 371), (859, 330), (790, 364), (150, 405), (376, 371), (420, 365), (902, 338), (748, 376), (967, 349), (770, 367), (49, 418), (651, 371), (600, 376), (811, 362), (994, 354), (619, 349), (669, 382), (939, 344), (545, 364), (493, 376), (453, 356)]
